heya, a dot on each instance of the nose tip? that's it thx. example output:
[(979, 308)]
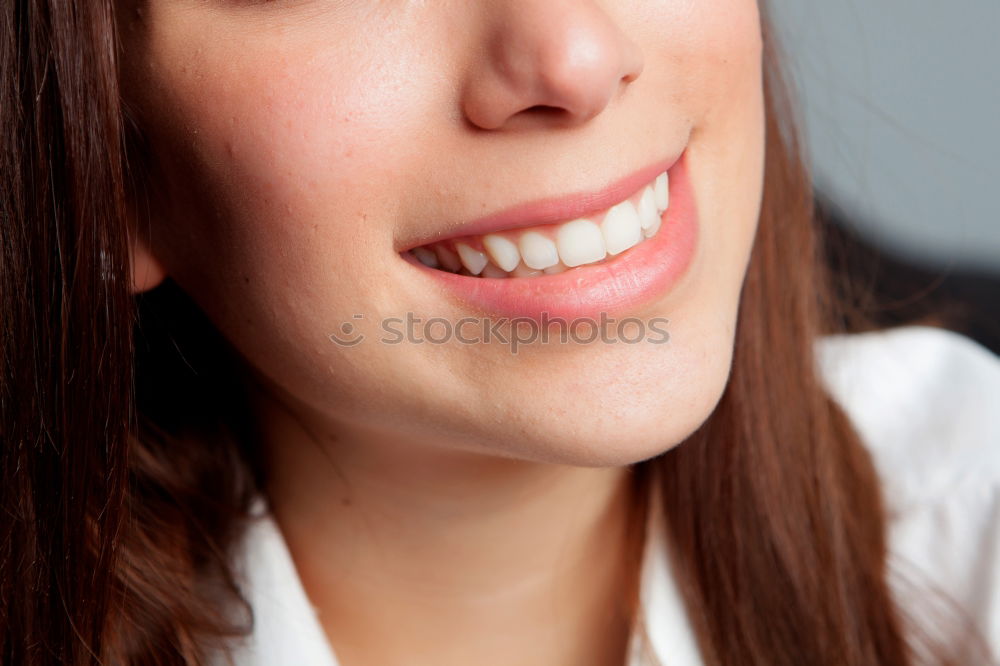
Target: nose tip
[(581, 73), (549, 62)]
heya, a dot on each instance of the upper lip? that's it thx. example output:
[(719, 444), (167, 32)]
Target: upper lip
[(557, 209)]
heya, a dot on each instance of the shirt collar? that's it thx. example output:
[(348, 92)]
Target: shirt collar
[(286, 629), (662, 635)]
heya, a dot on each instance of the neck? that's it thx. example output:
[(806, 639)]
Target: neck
[(414, 553)]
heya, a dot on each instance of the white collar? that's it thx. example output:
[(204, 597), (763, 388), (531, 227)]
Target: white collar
[(287, 631)]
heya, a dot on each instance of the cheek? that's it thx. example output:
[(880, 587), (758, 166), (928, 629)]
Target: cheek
[(290, 144), (278, 162), (725, 79), (710, 52)]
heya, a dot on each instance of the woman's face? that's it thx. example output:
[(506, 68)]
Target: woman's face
[(301, 148)]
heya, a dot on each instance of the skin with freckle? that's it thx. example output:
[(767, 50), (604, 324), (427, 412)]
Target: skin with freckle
[(294, 150), (280, 416)]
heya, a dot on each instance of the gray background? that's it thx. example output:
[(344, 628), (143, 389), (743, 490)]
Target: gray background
[(901, 107)]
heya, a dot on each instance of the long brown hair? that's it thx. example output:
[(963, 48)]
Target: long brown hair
[(118, 520)]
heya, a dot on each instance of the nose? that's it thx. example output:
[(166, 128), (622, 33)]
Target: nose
[(547, 62)]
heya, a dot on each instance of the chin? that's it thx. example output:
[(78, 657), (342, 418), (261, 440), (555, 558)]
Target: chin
[(623, 426)]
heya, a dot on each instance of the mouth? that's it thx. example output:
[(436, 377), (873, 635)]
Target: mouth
[(554, 248), (617, 249)]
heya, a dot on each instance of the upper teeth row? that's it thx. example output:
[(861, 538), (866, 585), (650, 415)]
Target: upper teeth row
[(554, 249)]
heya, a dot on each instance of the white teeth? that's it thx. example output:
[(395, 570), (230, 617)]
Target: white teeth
[(621, 228), (503, 252), (661, 188), (538, 251), (492, 271), (648, 215), (523, 271), (426, 257), (473, 260), (580, 242), (447, 258), (648, 233), (574, 243)]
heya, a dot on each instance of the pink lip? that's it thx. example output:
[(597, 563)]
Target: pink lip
[(618, 285), (558, 209)]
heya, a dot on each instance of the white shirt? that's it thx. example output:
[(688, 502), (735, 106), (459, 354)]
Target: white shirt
[(925, 401)]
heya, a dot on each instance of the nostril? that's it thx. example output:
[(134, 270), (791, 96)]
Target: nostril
[(545, 110), (548, 115)]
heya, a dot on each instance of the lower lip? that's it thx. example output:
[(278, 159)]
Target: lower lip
[(622, 284)]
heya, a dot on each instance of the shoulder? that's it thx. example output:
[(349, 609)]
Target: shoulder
[(926, 403)]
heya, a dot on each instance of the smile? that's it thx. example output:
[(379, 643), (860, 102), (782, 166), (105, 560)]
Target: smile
[(551, 249), (610, 260)]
